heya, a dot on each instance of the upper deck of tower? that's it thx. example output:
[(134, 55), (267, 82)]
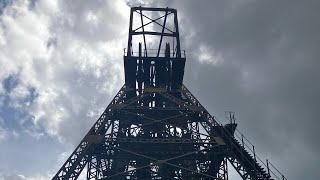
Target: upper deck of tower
[(153, 57)]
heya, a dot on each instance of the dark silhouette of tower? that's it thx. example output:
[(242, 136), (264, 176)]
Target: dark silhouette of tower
[(154, 128)]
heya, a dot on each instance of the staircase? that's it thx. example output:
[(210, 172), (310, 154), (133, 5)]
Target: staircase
[(246, 162), (242, 155)]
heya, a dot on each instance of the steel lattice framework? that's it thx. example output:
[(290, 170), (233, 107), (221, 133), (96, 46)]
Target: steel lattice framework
[(154, 128)]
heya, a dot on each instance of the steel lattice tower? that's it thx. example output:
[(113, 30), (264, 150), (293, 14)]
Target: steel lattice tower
[(154, 128)]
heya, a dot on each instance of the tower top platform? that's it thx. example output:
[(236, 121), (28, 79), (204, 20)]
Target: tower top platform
[(153, 56)]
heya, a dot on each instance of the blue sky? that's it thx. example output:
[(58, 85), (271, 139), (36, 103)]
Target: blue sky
[(61, 63), (42, 87)]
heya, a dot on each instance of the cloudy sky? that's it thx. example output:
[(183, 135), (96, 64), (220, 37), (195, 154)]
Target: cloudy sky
[(61, 63)]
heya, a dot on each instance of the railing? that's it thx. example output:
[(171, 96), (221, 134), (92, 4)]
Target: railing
[(154, 53), (247, 145)]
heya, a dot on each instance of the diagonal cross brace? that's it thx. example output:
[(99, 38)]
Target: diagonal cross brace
[(152, 21), (165, 161)]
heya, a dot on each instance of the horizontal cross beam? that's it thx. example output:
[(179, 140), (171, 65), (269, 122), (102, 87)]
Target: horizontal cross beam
[(154, 33), (153, 9)]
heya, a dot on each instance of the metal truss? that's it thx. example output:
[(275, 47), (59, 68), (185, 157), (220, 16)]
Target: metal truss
[(113, 140), (154, 128), (102, 147), (120, 141), (164, 31)]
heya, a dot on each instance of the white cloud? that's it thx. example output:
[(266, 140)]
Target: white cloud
[(22, 177), (5, 133), (12, 177), (69, 72), (209, 56), (73, 64)]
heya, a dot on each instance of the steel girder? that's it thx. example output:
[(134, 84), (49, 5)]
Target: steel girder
[(128, 141), (154, 128)]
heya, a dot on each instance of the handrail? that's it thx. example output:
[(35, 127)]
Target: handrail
[(253, 151), (229, 135), (245, 141), (154, 53), (282, 176)]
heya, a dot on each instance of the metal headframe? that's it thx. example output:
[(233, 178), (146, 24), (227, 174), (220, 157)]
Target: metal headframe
[(170, 32)]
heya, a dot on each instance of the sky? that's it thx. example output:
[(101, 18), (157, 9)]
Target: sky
[(61, 64)]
